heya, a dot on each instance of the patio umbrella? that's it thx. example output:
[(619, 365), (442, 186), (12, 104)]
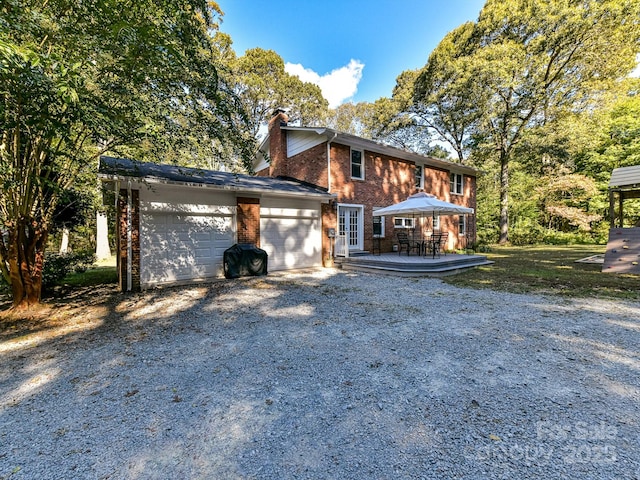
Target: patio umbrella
[(423, 203)]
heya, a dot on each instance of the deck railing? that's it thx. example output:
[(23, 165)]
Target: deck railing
[(342, 246)]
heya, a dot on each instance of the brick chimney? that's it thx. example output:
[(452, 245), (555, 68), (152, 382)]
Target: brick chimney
[(278, 143)]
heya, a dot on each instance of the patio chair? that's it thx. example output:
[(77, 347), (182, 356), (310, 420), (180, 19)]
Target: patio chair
[(404, 242), (439, 240)]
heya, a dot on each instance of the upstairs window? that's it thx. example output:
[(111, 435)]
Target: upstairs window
[(357, 170), (418, 176), (457, 183)]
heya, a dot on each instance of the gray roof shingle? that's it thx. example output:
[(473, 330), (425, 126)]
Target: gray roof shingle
[(120, 168)]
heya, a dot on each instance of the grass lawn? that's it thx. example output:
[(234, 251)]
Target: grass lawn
[(549, 269), (543, 269), (102, 272)]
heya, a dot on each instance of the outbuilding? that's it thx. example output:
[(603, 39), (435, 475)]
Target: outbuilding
[(174, 223)]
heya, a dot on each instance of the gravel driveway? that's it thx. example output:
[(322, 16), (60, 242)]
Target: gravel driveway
[(325, 374)]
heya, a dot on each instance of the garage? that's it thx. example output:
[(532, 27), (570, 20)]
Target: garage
[(183, 242), (174, 223), (179, 248), (291, 234)]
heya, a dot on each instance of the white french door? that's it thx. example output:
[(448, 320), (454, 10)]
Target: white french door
[(350, 226)]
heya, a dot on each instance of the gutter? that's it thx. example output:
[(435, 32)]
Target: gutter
[(225, 188)]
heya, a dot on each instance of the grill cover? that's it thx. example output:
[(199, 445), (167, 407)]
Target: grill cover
[(244, 259)]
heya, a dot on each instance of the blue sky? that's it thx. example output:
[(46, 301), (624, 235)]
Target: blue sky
[(354, 49)]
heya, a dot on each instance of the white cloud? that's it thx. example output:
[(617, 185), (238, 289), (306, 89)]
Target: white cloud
[(337, 86)]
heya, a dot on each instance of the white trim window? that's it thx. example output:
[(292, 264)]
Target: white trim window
[(357, 164), (419, 176), (462, 225), (378, 224), (378, 220), (456, 182), (404, 222), (436, 222)]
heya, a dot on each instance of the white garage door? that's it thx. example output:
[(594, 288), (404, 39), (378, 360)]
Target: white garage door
[(181, 247), (291, 236)]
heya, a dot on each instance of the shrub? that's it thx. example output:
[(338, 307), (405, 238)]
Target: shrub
[(525, 233), (57, 266), (554, 237)]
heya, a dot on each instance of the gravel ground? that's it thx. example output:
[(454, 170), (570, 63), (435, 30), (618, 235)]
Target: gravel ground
[(324, 374)]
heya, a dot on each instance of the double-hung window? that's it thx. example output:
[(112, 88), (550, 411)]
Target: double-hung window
[(456, 183), (357, 165), (462, 225), (378, 224), (418, 176)]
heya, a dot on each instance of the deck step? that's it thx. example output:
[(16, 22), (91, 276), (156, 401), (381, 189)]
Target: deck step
[(418, 267)]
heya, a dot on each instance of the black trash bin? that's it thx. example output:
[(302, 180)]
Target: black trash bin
[(244, 259)]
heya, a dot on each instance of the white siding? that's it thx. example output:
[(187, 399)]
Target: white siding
[(298, 142), (290, 233)]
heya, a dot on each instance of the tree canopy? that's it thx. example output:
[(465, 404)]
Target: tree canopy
[(81, 78), (263, 85), (523, 64)]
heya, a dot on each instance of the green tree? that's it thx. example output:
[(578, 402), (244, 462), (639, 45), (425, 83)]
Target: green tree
[(350, 118), (263, 85), (81, 78), (615, 133), (392, 121), (447, 98), (520, 64), (386, 120)]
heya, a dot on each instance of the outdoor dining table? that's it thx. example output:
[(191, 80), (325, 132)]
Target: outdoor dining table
[(428, 243)]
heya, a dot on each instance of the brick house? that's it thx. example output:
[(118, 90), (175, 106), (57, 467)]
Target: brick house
[(364, 176), (174, 223)]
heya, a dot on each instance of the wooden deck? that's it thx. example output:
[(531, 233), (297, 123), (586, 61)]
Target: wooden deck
[(413, 265)]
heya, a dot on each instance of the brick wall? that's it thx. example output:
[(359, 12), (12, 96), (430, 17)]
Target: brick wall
[(436, 182), (248, 220), (123, 241), (387, 180), (329, 220), (310, 166)]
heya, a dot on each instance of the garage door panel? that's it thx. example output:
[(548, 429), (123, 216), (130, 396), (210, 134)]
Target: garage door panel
[(291, 242), (183, 247)]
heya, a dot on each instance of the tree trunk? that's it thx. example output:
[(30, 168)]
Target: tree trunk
[(504, 197), (26, 260)]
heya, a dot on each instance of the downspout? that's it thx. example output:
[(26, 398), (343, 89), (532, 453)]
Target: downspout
[(116, 204), (129, 236), (331, 241)]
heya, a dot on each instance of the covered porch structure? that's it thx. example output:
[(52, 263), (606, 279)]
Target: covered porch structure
[(623, 248)]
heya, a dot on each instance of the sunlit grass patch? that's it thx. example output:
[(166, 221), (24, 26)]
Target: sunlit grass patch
[(549, 269)]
